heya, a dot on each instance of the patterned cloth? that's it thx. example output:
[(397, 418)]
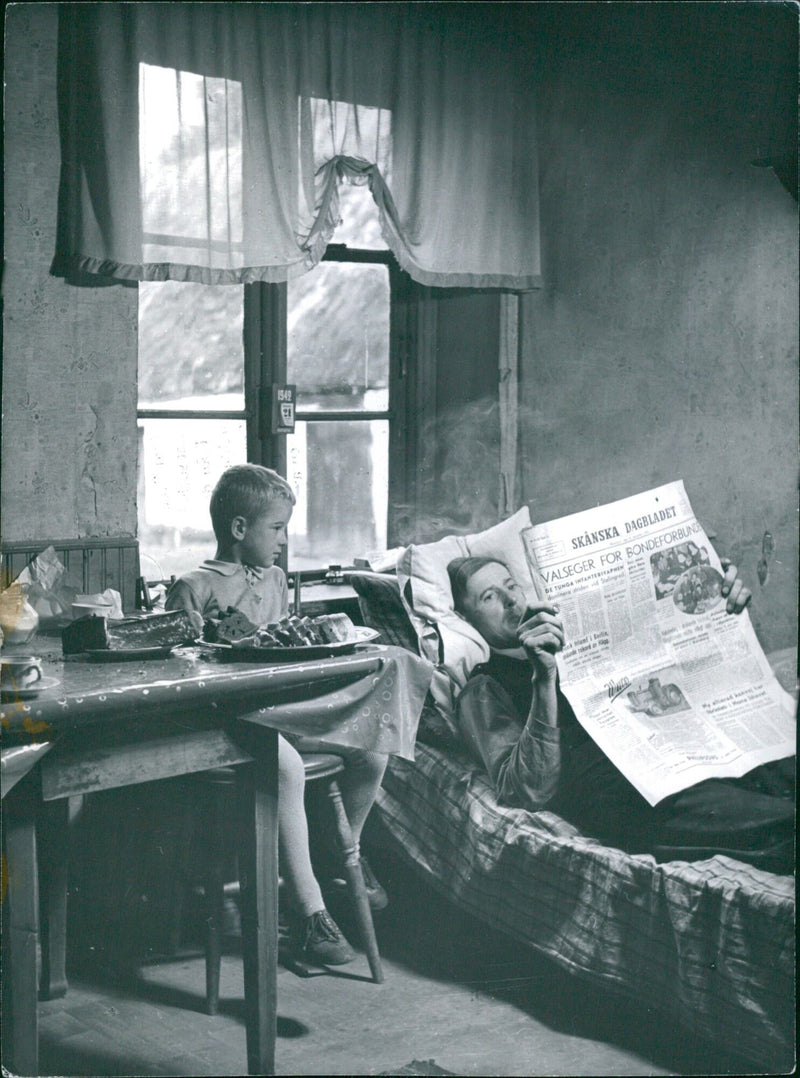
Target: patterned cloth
[(710, 944), (378, 712), (382, 609)]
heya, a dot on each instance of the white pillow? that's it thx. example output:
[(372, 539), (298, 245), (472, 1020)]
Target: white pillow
[(445, 638)]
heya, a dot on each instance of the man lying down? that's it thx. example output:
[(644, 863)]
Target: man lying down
[(517, 723)]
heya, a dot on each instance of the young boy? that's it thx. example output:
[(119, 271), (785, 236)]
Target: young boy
[(250, 510)]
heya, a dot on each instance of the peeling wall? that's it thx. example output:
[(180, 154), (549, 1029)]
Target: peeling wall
[(69, 354), (665, 342)]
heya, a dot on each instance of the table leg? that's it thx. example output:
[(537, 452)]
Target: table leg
[(20, 924), (257, 784), (53, 836)]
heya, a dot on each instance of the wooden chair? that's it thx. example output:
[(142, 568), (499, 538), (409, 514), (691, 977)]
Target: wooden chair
[(218, 784)]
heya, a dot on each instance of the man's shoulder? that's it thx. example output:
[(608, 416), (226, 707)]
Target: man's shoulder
[(502, 676)]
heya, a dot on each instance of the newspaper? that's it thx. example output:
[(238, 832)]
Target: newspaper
[(672, 688)]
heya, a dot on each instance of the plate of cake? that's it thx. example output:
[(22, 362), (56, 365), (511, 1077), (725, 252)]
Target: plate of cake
[(152, 636), (292, 639)]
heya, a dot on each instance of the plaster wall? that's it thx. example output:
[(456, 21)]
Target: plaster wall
[(664, 344), (69, 354)]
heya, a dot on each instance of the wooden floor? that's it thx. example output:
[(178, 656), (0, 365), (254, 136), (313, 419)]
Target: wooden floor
[(471, 1002)]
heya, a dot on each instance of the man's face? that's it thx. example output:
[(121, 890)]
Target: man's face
[(494, 604), (265, 536)]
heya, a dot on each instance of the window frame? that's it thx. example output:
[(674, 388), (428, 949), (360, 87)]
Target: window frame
[(264, 340)]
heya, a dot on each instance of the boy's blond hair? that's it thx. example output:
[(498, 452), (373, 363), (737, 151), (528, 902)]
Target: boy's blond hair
[(245, 490)]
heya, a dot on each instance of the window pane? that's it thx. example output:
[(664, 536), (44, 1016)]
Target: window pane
[(180, 460), (340, 473), (338, 337), (190, 167), (359, 223), (191, 353), (335, 129)]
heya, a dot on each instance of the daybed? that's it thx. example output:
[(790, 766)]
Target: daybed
[(708, 944)]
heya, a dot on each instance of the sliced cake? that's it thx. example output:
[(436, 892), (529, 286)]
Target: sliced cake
[(335, 628)]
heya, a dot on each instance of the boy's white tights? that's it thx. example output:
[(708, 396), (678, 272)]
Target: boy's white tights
[(359, 784)]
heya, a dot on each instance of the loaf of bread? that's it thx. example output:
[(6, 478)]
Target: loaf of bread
[(94, 633)]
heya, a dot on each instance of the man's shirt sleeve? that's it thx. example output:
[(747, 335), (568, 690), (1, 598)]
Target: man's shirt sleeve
[(522, 759)]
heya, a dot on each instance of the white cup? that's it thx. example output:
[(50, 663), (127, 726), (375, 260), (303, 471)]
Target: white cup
[(18, 672)]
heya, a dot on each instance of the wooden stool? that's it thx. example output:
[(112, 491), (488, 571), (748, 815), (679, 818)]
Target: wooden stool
[(218, 784)]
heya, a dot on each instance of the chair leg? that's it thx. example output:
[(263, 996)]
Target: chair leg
[(355, 882)]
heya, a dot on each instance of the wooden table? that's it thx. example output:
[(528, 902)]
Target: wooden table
[(113, 724)]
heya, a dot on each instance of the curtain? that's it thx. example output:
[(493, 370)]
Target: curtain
[(208, 142)]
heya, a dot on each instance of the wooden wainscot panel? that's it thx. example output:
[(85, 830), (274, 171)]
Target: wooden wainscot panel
[(92, 564)]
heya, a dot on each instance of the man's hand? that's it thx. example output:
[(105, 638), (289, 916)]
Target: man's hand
[(542, 635), (738, 596)]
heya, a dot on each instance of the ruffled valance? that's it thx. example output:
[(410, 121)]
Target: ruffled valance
[(208, 142)]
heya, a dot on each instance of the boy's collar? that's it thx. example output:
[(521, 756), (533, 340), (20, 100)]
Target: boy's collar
[(230, 568)]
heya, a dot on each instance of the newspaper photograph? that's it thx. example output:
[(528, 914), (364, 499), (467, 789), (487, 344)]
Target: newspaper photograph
[(670, 686)]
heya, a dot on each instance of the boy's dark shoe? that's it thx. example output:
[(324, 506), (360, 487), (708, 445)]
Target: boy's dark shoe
[(319, 939)]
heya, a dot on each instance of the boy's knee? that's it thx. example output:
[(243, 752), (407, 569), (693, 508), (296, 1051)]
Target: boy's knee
[(372, 764), (291, 772)]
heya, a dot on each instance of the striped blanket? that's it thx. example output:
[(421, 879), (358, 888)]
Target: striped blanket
[(711, 943)]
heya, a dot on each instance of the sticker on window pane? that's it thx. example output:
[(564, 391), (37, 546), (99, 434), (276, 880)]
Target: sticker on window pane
[(283, 398)]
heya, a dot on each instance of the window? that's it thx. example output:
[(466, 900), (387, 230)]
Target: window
[(338, 457), (207, 357), (192, 416)]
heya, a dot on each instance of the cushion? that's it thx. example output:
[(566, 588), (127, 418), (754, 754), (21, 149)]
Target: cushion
[(444, 637)]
